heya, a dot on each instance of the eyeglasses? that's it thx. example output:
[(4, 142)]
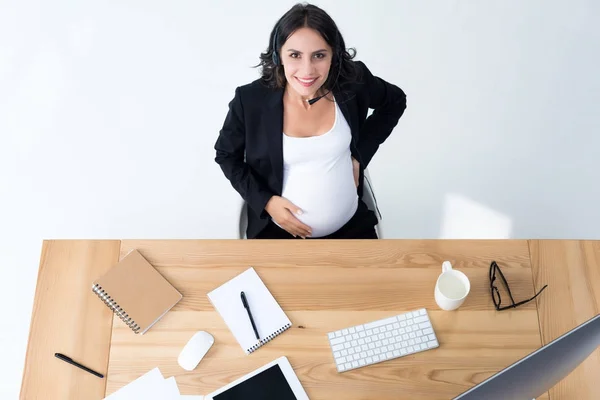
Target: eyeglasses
[(496, 294)]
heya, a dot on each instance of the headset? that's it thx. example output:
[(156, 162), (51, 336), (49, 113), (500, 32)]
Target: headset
[(337, 52)]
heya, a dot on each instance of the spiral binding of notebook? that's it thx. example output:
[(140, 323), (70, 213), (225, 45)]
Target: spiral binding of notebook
[(112, 304), (269, 338)]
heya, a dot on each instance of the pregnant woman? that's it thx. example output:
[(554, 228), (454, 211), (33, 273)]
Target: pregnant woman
[(295, 142)]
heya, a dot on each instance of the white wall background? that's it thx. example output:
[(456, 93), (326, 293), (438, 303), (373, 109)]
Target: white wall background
[(109, 112)]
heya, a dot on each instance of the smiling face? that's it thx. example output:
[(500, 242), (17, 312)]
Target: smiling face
[(306, 58)]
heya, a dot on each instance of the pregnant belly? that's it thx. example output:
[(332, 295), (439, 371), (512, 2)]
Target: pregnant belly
[(326, 206)]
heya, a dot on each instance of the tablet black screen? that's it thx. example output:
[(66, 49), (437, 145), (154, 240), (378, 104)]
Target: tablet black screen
[(269, 384)]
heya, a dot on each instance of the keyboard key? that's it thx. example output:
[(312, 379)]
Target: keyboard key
[(360, 328), (370, 353), (418, 320), (344, 332), (402, 352), (405, 337), (369, 332), (341, 368), (388, 335), (428, 331), (422, 312), (331, 335), (377, 351), (419, 333), (411, 342), (371, 345), (425, 325), (385, 342), (396, 325), (381, 336), (389, 355), (375, 358), (409, 322), (418, 340), (351, 351), (347, 345), (396, 353), (361, 341), (344, 352), (401, 331), (361, 362), (338, 334), (355, 336), (389, 328), (375, 330), (381, 322), (362, 334), (337, 347), (410, 349), (369, 360), (364, 347), (337, 340), (402, 317), (423, 346), (431, 337), (403, 324), (351, 330), (337, 354), (356, 357), (341, 360), (354, 364), (392, 340), (348, 365), (363, 354), (432, 343), (368, 339), (354, 343), (412, 335)]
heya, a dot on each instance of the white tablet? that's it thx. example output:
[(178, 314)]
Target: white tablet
[(274, 381)]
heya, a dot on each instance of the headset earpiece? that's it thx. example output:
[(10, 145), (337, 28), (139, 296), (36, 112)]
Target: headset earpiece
[(275, 55)]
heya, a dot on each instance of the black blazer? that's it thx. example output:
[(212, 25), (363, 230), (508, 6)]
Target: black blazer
[(250, 144)]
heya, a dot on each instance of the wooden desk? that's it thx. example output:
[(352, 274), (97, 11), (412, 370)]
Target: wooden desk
[(322, 286)]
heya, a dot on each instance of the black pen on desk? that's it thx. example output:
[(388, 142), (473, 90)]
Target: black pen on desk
[(247, 307), (70, 361)]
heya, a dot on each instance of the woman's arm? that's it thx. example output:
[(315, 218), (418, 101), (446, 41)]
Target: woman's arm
[(231, 147), (388, 102)]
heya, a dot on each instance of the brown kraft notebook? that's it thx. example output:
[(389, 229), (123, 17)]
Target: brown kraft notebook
[(136, 292)]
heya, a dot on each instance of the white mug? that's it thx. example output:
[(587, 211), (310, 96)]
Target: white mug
[(451, 288)]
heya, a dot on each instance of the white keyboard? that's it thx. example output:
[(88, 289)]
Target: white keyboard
[(382, 340)]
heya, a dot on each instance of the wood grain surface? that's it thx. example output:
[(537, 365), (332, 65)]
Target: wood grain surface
[(572, 271), (68, 318), (328, 285)]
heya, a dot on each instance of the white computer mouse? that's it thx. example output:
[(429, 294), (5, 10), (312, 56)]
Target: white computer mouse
[(195, 349)]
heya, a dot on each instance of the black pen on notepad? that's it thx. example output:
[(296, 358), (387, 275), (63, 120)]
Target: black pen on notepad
[(70, 361), (247, 307)]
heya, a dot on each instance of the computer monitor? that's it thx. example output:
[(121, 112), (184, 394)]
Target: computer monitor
[(535, 374)]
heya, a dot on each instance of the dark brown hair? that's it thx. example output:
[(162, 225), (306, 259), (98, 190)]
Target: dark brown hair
[(342, 70)]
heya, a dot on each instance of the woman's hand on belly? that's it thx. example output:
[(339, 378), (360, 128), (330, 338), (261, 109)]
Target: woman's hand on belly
[(283, 213)]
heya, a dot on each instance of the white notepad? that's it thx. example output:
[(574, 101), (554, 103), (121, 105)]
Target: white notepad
[(268, 316)]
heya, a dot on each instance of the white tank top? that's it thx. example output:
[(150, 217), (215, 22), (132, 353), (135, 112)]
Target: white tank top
[(318, 177)]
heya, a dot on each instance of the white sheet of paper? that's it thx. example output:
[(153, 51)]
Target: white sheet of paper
[(150, 386)]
